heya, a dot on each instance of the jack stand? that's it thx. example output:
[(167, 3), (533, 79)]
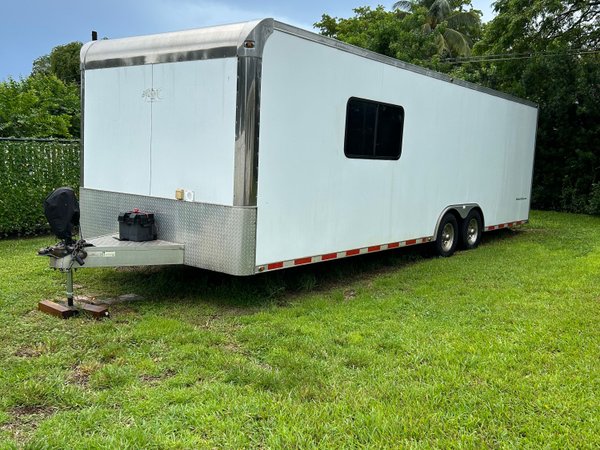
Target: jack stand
[(70, 288), (64, 312)]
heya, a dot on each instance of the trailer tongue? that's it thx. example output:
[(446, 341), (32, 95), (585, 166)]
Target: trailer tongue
[(108, 251), (136, 245)]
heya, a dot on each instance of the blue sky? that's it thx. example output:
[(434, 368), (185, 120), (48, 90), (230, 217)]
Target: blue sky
[(31, 28)]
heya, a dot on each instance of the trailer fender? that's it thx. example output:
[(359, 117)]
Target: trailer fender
[(462, 210)]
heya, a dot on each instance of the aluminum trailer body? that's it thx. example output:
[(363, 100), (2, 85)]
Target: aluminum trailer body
[(267, 128)]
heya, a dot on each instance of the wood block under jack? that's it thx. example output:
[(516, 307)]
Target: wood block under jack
[(56, 309), (97, 311)]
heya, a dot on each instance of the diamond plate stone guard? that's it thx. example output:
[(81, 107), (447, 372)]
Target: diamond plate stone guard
[(216, 237)]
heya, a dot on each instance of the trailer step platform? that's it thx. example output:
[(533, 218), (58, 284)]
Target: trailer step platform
[(108, 251)]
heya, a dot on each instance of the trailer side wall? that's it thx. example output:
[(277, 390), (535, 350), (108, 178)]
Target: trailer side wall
[(459, 146)]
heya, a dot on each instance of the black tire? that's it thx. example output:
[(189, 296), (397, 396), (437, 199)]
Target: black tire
[(447, 236), (471, 230)]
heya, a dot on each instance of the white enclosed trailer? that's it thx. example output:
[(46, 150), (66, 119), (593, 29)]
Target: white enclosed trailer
[(291, 148)]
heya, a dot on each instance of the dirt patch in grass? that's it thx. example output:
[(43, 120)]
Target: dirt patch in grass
[(30, 352), (349, 294), (153, 379), (233, 347), (81, 373), (25, 420)]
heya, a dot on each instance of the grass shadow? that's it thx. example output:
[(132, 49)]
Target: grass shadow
[(169, 284)]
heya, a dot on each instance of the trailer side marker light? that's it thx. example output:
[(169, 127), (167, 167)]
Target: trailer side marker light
[(249, 44)]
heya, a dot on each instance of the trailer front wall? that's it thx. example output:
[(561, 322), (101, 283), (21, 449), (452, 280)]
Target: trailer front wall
[(155, 128), (216, 237), (459, 146)]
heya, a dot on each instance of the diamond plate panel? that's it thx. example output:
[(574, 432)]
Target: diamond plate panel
[(216, 237)]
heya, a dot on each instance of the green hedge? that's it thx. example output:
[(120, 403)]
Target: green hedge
[(29, 171)]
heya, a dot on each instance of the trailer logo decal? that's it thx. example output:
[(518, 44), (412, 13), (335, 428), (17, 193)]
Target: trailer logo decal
[(151, 94)]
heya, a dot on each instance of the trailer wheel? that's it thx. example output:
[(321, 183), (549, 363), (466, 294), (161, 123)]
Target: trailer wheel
[(446, 240), (471, 230)]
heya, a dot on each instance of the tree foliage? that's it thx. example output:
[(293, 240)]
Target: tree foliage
[(63, 61), (45, 104), (454, 29), (547, 51), (39, 106), (390, 33)]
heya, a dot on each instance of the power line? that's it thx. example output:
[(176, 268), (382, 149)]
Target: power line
[(517, 56)]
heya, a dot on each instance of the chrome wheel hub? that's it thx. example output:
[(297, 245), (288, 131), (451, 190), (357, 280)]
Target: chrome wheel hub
[(447, 237), (472, 231)]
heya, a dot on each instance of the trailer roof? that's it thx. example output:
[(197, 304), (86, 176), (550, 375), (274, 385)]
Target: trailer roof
[(239, 39)]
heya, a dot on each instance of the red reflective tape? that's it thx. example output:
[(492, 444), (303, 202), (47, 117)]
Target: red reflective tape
[(353, 252), (299, 261)]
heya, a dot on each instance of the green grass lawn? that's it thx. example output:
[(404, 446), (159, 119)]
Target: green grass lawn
[(496, 347)]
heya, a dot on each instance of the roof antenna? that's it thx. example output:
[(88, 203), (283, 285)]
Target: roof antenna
[(94, 35)]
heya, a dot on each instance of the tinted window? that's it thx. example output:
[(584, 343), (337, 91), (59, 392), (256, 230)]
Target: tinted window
[(373, 130)]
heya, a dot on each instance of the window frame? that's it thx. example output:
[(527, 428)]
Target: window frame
[(373, 156)]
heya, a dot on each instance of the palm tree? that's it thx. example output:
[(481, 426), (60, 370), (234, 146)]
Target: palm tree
[(450, 41)]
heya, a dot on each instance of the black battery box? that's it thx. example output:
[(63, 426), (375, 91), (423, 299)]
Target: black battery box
[(137, 226)]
